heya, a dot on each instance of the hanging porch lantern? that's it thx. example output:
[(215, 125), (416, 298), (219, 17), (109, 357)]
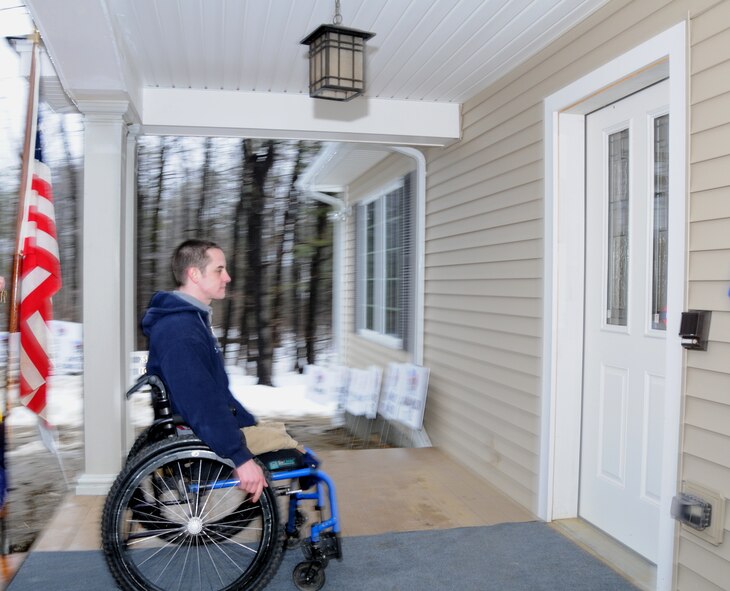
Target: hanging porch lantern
[(336, 60)]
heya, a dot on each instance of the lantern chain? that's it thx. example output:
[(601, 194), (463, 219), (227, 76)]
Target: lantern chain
[(337, 20)]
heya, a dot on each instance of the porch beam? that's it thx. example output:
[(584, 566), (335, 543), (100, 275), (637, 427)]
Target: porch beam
[(287, 116)]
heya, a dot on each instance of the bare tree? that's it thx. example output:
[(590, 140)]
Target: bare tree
[(207, 168), (284, 241), (70, 232), (241, 194), (235, 261), (258, 164), (151, 158), (315, 279)]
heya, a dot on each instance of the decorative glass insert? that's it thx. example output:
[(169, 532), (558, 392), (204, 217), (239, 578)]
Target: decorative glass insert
[(617, 280), (660, 215)]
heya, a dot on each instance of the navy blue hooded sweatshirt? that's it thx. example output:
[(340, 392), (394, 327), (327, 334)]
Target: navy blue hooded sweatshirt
[(184, 352)]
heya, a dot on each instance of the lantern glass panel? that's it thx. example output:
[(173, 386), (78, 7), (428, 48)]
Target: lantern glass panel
[(336, 57)]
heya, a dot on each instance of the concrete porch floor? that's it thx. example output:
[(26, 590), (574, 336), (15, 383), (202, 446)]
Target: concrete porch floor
[(379, 491)]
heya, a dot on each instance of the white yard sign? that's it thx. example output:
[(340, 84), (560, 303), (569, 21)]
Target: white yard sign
[(363, 392), (404, 394), (327, 385)]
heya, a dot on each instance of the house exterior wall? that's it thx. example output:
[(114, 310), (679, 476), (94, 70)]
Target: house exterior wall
[(361, 352), (706, 428), (484, 262)]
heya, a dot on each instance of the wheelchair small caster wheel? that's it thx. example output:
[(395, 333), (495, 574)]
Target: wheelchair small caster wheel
[(309, 575)]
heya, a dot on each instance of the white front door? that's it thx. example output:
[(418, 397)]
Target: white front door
[(625, 318)]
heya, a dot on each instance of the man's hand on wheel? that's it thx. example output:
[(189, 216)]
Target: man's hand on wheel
[(251, 479)]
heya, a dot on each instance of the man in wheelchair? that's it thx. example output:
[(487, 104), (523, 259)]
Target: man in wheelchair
[(184, 352), (175, 517)]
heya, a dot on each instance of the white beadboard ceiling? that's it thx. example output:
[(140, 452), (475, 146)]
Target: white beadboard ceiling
[(423, 50), (237, 67)]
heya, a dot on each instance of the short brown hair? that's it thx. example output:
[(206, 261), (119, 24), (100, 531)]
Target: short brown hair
[(191, 253)]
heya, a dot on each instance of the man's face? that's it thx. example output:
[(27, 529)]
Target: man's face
[(212, 281)]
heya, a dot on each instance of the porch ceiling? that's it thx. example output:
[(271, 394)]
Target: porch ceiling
[(245, 53)]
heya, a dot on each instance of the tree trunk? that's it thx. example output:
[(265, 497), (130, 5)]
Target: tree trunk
[(258, 167), (150, 193), (156, 222), (314, 282), (200, 226), (285, 237), (233, 263), (296, 291), (70, 280)]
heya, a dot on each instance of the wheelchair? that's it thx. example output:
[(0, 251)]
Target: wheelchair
[(174, 519)]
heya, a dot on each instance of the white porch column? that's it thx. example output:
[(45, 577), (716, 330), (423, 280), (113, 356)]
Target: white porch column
[(129, 262), (104, 312)]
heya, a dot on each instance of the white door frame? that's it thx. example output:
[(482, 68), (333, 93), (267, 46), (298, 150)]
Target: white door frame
[(564, 112)]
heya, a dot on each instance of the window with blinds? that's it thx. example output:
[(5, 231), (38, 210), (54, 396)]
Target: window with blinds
[(383, 268)]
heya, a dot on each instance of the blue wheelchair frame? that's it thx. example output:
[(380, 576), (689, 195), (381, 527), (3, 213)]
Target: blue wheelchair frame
[(320, 495), (324, 540)]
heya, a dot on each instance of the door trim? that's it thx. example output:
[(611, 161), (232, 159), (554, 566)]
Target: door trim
[(564, 112)]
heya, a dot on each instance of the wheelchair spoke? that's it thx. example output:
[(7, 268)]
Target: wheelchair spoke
[(166, 525), (168, 544), (172, 557), (222, 495), (239, 544), (213, 563), (188, 545), (201, 486), (146, 535), (174, 498)]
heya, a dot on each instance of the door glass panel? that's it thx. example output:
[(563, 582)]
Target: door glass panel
[(659, 239), (617, 284)]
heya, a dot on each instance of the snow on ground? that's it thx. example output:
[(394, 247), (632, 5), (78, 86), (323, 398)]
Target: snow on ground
[(287, 399)]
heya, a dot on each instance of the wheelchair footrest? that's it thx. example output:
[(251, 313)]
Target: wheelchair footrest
[(329, 546)]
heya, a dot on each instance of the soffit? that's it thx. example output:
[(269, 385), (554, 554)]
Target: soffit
[(423, 50), (237, 67)]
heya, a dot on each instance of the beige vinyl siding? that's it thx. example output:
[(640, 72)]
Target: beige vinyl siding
[(484, 241), (361, 352), (706, 429)]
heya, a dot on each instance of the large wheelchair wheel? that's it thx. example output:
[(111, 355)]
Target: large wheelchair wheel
[(146, 437), (152, 434), (167, 526)]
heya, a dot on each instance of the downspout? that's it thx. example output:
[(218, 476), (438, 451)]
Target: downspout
[(338, 217), (420, 262)]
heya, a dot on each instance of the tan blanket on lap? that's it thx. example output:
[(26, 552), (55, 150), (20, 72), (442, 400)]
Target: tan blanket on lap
[(269, 436)]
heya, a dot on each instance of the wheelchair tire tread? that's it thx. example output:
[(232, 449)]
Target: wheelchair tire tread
[(144, 456)]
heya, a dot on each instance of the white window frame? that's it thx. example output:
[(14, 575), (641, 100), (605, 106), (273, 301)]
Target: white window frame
[(376, 335)]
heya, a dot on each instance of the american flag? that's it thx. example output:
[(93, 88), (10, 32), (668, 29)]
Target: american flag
[(40, 280)]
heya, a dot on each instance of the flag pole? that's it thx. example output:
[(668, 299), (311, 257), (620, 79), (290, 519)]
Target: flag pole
[(28, 142), (25, 178)]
